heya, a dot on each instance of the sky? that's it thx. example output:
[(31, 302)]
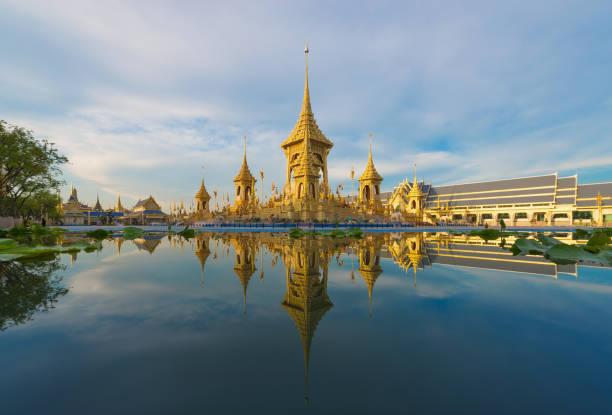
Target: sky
[(141, 94)]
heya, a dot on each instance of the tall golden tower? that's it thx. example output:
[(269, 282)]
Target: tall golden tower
[(245, 185), (306, 148), (369, 185)]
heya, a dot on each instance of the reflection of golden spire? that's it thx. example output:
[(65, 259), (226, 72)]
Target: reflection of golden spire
[(202, 252), (244, 266), (118, 243), (369, 265), (306, 300)]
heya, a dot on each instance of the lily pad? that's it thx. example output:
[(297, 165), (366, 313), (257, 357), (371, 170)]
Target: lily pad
[(6, 243), (99, 234), (525, 246), (130, 233)]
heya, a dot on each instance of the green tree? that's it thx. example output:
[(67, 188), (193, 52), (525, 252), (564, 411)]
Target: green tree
[(30, 169)]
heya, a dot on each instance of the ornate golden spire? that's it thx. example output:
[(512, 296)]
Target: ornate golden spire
[(244, 175), (202, 194), (415, 189), (370, 172), (306, 124), (119, 206)]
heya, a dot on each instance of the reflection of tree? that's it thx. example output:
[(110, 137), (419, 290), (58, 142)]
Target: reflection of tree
[(26, 288)]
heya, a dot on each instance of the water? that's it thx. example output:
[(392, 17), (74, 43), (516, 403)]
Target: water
[(260, 323)]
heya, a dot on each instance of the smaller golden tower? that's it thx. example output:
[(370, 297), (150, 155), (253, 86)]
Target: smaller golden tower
[(369, 185), (119, 207), (202, 198), (245, 186), (415, 199)]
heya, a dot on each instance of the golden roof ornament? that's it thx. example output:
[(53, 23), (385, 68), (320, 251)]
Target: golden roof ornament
[(370, 172), (415, 190), (244, 175)]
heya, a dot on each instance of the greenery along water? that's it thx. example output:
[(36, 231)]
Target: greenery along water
[(269, 323)]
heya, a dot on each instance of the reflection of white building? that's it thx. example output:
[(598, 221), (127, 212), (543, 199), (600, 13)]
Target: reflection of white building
[(536, 200)]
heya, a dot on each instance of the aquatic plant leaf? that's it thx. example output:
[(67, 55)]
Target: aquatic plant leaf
[(525, 246), (6, 243), (572, 252), (487, 234), (547, 240), (130, 233), (99, 234)]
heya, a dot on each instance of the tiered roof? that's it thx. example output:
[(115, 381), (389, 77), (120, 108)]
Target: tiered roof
[(370, 172)]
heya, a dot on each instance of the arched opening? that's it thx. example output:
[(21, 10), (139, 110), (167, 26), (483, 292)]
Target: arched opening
[(413, 204), (377, 189), (318, 156), (247, 193), (238, 259), (312, 190), (300, 190), (238, 191), (366, 193), (366, 258)]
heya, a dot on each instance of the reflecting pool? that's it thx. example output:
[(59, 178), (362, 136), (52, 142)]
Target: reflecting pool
[(263, 323)]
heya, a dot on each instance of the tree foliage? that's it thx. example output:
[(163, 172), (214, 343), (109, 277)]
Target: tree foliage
[(30, 172)]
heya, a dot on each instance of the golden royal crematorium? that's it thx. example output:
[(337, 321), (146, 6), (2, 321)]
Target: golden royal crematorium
[(306, 194)]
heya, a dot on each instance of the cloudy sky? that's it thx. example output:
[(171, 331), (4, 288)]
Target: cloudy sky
[(140, 94)]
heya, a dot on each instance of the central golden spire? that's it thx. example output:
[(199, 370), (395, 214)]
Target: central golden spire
[(306, 123), (306, 108)]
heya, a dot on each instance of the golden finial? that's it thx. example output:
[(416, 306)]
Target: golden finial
[(352, 172), (370, 144)]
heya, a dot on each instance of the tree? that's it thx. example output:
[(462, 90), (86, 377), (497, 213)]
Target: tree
[(30, 170)]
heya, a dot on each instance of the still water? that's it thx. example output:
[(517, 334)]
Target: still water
[(260, 323)]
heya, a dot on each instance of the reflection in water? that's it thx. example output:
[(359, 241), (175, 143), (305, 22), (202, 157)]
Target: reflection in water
[(369, 262), (30, 287), (26, 288), (306, 300)]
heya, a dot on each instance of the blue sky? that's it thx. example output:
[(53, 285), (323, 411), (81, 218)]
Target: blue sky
[(140, 95)]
